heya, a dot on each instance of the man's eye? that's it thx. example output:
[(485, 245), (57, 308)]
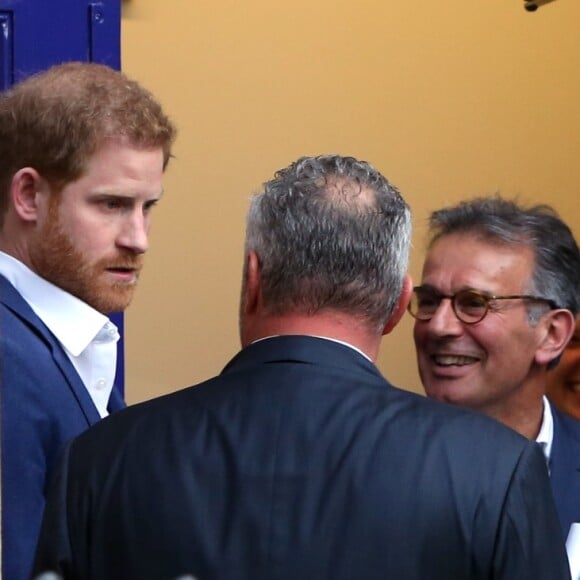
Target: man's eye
[(112, 203), (471, 302), (149, 205), (427, 301)]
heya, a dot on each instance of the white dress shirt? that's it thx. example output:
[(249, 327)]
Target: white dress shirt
[(546, 435), (88, 337)]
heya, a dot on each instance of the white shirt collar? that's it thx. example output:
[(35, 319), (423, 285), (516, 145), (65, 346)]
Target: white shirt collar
[(546, 435), (73, 322)]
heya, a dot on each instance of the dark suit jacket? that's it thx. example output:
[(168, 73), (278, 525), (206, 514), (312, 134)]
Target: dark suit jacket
[(44, 404), (565, 468), (301, 462)]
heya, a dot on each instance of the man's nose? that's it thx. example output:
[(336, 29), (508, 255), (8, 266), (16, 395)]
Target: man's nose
[(135, 233), (444, 321)]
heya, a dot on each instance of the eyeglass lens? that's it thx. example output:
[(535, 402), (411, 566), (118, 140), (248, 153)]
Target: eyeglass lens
[(469, 306)]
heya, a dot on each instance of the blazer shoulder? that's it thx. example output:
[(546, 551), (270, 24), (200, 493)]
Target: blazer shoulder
[(16, 314)]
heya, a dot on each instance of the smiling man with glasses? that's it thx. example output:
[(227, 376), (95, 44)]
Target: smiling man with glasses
[(494, 311)]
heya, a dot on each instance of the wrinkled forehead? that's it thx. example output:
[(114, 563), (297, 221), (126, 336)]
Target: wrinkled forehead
[(463, 260)]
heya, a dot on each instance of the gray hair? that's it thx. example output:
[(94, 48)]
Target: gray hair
[(331, 233), (556, 275)]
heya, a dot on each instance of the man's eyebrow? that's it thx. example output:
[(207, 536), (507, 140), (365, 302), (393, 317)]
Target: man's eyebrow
[(428, 287), (124, 195)]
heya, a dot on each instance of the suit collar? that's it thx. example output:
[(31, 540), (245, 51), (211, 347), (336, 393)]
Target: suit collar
[(301, 349), (323, 338)]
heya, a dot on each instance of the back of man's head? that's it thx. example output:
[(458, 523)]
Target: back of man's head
[(331, 234), (55, 120)]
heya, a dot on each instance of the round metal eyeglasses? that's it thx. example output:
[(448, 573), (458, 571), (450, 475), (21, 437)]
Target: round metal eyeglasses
[(470, 306)]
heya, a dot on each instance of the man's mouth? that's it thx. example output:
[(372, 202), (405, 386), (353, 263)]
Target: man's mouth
[(124, 274), (124, 266), (449, 360), (122, 269)]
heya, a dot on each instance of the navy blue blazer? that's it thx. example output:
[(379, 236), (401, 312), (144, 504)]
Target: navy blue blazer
[(300, 461), (44, 404), (565, 468)]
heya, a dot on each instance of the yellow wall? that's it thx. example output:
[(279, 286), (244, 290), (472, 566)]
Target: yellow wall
[(448, 99)]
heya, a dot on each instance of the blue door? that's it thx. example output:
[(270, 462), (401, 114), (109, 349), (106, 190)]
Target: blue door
[(39, 33), (35, 34)]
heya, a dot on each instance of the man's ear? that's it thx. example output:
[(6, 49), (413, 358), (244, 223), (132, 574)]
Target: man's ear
[(25, 189), (557, 327), (404, 299), (253, 283)]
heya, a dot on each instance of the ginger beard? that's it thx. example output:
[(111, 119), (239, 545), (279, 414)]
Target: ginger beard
[(54, 257)]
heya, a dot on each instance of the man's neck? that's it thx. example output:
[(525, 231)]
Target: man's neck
[(523, 413)]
